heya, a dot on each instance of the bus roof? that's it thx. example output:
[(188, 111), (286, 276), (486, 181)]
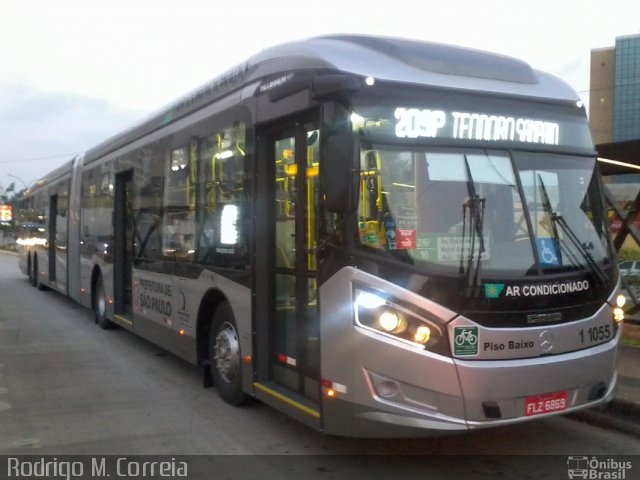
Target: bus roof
[(383, 58), (63, 170)]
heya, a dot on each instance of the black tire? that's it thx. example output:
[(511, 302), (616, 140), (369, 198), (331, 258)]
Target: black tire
[(225, 357), (30, 269), (34, 278), (100, 305)]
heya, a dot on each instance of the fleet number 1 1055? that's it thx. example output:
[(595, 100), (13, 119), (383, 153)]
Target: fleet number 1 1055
[(595, 334)]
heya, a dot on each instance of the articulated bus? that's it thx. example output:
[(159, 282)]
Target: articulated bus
[(376, 236)]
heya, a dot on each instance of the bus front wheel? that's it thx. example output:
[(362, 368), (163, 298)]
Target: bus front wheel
[(225, 359)]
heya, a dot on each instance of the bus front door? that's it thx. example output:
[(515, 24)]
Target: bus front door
[(290, 293)]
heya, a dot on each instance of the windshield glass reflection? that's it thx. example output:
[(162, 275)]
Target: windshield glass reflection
[(462, 210)]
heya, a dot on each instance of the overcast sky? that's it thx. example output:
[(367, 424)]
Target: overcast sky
[(73, 73)]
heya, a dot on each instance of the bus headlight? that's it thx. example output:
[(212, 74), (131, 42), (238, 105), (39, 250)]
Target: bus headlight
[(422, 334), (384, 315), (618, 312), (392, 322)]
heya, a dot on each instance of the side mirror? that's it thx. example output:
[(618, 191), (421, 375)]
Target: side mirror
[(339, 164)]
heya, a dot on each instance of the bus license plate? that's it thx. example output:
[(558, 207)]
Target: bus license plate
[(553, 402)]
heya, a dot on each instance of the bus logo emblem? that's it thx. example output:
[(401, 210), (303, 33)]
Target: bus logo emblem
[(493, 290), (465, 341), (546, 341)]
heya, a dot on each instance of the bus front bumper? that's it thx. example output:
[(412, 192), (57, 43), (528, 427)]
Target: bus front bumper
[(398, 393)]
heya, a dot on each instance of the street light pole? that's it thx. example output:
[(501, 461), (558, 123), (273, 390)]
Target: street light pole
[(26, 187)]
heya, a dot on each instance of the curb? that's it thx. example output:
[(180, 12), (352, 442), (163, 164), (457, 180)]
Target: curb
[(621, 415)]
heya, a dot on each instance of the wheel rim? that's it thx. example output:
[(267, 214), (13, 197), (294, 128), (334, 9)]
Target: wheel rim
[(226, 353)]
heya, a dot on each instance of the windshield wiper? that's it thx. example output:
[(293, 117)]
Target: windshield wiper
[(556, 218), (475, 204)]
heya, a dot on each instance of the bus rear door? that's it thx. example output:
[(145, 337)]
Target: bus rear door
[(123, 244)]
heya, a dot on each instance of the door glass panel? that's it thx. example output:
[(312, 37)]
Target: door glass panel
[(296, 346), (286, 170), (123, 242), (312, 171), (53, 212), (285, 370)]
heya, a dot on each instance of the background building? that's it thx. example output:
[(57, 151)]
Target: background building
[(614, 101), (614, 104), (601, 98), (626, 104), (614, 118)]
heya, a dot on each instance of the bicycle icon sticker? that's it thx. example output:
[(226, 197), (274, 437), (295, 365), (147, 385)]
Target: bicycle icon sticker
[(465, 341)]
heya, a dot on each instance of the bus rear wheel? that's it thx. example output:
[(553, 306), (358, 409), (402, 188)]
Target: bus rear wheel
[(225, 359), (35, 281), (30, 268), (100, 304)]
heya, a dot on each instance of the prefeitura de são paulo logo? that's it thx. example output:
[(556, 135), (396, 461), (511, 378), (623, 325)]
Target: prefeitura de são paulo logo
[(597, 468)]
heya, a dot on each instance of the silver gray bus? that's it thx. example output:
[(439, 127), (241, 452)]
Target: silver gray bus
[(377, 236)]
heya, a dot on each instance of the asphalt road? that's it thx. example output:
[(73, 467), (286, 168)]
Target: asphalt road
[(69, 388)]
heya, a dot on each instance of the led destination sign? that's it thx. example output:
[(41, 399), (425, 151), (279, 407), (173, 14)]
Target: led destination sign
[(417, 123)]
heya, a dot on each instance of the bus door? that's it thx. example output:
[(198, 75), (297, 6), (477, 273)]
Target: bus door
[(290, 292), (122, 243), (51, 240), (58, 239)]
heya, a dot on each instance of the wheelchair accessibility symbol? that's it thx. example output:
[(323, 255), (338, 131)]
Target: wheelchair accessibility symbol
[(548, 251)]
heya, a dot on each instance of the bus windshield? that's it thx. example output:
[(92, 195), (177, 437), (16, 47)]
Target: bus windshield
[(464, 209)]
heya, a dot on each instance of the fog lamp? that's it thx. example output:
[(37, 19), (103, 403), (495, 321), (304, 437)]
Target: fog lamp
[(618, 314)]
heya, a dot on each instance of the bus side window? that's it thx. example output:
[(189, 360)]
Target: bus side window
[(147, 208), (222, 206), (97, 209), (178, 227)]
